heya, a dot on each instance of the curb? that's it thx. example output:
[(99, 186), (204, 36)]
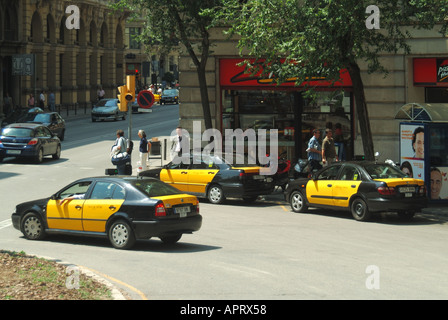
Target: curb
[(116, 293)]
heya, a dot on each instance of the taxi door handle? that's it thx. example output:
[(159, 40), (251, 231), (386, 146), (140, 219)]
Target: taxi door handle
[(78, 207), (112, 208), (183, 172), (353, 186), (211, 173), (329, 185)]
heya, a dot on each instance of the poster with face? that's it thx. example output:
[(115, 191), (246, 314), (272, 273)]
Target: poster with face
[(438, 183), (412, 151)]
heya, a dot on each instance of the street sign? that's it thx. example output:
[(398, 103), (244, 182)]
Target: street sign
[(23, 65), (145, 99)]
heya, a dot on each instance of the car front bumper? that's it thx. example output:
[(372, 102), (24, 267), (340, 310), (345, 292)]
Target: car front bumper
[(163, 227)]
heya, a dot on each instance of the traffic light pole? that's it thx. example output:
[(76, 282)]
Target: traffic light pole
[(129, 103)]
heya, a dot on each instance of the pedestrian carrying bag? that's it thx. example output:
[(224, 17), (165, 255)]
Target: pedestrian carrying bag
[(120, 158)]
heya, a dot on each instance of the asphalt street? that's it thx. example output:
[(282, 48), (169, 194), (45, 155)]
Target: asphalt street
[(260, 251)]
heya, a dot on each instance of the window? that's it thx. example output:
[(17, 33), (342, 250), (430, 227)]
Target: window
[(78, 189), (107, 190), (133, 34), (350, 173), (329, 174)]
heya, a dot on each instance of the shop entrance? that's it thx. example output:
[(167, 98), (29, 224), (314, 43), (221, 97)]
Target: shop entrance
[(294, 114)]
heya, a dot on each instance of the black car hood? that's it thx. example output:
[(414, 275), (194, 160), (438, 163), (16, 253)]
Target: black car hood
[(41, 203)]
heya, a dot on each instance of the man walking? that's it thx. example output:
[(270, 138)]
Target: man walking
[(328, 149), (315, 151)]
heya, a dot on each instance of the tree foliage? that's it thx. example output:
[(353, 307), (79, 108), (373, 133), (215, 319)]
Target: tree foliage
[(309, 38), (170, 22)]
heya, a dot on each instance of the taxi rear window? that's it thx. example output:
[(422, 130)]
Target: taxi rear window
[(154, 188), (380, 171)]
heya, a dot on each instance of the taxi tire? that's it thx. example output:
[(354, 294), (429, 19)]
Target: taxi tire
[(32, 227), (297, 202), (360, 210), (171, 239), (215, 194), (121, 235)]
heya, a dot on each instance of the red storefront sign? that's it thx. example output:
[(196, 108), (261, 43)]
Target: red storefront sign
[(232, 75), (431, 72)]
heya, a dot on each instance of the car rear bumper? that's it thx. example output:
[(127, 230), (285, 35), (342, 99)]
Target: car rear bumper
[(406, 204), (241, 190), (158, 228), (18, 152)]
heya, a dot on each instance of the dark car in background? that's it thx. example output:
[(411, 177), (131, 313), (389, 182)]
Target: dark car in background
[(363, 187), (52, 120), (107, 109), (29, 140), (122, 209), (169, 96), (214, 178)]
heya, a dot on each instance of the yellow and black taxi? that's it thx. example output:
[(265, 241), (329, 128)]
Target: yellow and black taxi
[(362, 187), (122, 209), (213, 177)]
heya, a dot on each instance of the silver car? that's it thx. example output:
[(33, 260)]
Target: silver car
[(107, 109)]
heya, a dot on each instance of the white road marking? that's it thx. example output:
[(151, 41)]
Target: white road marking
[(5, 224)]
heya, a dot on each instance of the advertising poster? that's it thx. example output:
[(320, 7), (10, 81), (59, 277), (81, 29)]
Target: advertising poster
[(439, 183), (412, 153)]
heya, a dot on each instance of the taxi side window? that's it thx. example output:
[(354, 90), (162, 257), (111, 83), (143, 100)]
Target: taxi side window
[(329, 174), (107, 190), (350, 173), (78, 189), (173, 166)]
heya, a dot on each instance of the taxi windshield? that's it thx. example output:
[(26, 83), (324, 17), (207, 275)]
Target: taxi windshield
[(154, 188), (384, 171)]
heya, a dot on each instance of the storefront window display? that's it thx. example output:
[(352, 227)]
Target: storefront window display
[(287, 111)]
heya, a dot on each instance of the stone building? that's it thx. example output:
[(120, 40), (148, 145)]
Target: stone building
[(73, 63)]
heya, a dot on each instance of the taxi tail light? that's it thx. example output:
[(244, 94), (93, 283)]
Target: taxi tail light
[(197, 207), (160, 210), (33, 142), (386, 191), (245, 175), (422, 190)]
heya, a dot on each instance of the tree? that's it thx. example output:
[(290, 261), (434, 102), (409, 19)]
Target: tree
[(169, 22), (309, 38)]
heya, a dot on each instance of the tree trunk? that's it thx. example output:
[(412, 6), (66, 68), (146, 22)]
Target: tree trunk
[(204, 96), (361, 110)]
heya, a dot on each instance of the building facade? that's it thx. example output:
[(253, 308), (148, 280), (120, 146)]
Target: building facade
[(72, 63), (253, 103)]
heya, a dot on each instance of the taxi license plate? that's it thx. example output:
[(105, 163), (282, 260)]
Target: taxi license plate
[(182, 211), (407, 190), (13, 151)]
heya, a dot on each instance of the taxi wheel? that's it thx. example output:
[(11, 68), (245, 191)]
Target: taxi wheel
[(121, 235), (171, 239), (215, 194), (297, 202), (32, 227), (360, 211), (406, 215)]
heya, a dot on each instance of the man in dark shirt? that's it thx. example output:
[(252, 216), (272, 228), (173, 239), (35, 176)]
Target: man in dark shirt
[(328, 149)]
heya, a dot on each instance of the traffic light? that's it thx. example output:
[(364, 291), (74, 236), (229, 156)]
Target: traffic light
[(130, 84), (122, 102)]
